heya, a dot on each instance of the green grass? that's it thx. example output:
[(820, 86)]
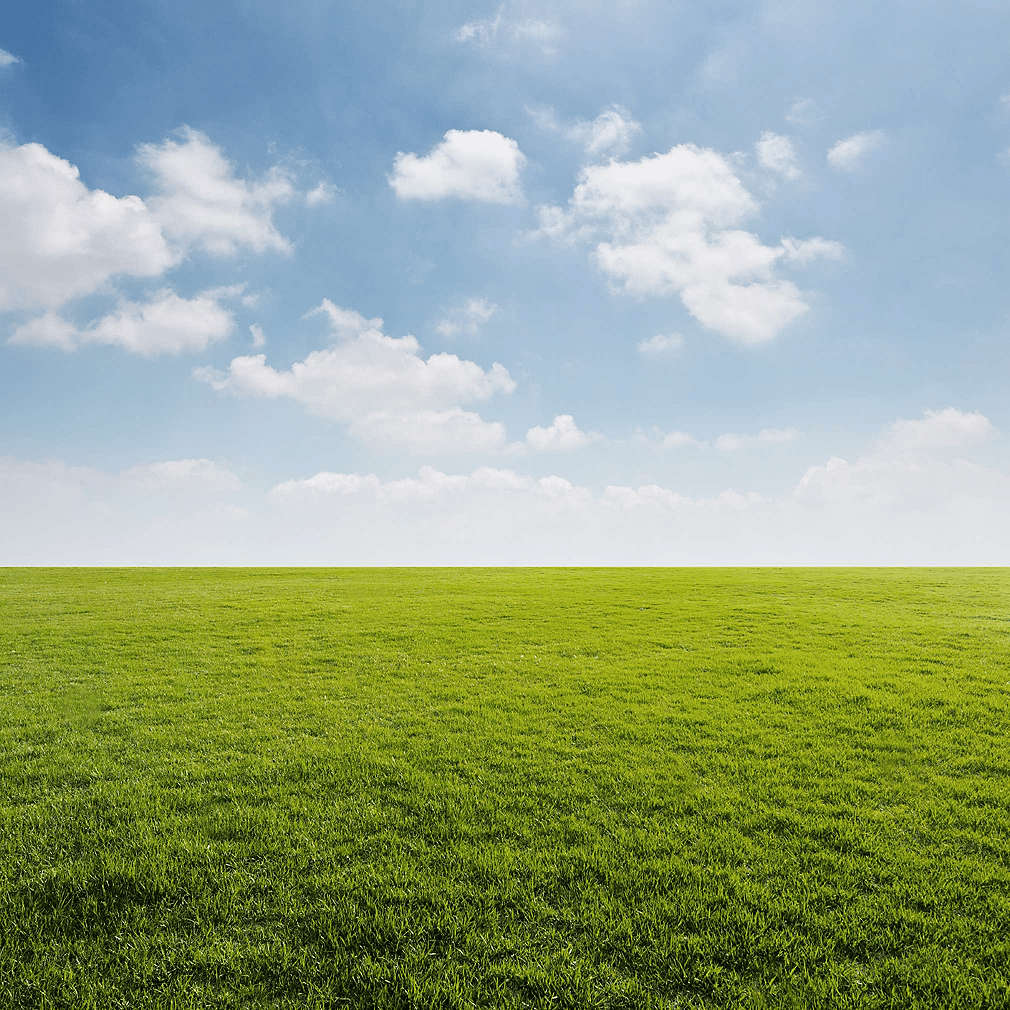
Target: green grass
[(504, 788)]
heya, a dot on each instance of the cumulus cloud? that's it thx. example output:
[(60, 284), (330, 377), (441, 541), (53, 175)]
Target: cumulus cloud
[(660, 345), (429, 483), (39, 489), (777, 154), (646, 495), (510, 489), (668, 224), (949, 428), (434, 514), (8, 59), (467, 318), (561, 435), (171, 510), (504, 26), (165, 324), (802, 112), (728, 442), (851, 153), (61, 240), (917, 499), (678, 440), (58, 480), (322, 192), (766, 436), (467, 165), (610, 133), (49, 330), (888, 484), (380, 386), (201, 202), (802, 251), (174, 473), (653, 496), (916, 461), (420, 431), (345, 323), (482, 31)]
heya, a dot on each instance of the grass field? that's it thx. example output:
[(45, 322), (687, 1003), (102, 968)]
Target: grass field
[(504, 788)]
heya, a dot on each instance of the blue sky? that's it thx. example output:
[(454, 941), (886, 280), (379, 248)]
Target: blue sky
[(634, 281)]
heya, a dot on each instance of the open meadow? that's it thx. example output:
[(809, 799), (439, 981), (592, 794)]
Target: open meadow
[(504, 788)]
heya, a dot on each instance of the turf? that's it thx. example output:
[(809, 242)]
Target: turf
[(504, 788)]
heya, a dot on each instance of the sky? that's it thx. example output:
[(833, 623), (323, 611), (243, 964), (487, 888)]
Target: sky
[(637, 282)]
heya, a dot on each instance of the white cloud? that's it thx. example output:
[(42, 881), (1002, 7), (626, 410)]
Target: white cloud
[(421, 431), (327, 483), (648, 495), (482, 31), (433, 485), (803, 251), (766, 436), (467, 165), (49, 330), (513, 492), (737, 500), (777, 154), (802, 112), (165, 324), (8, 59), (174, 473), (467, 318), (652, 496), (540, 32), (837, 480), (728, 442), (502, 514), (928, 503), (505, 26), (949, 428), (380, 386), (345, 323), (688, 180), (61, 240), (667, 224), (165, 511), (429, 483), (850, 153), (660, 345), (678, 440), (916, 463), (558, 225), (259, 338), (201, 202), (610, 133), (906, 486), (322, 192), (561, 435), (58, 480)]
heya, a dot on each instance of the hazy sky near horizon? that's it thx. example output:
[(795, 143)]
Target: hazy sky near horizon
[(573, 282)]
